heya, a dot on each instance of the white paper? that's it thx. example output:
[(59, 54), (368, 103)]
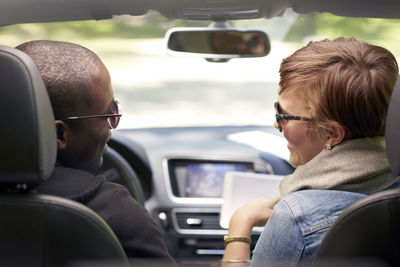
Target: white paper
[(241, 187)]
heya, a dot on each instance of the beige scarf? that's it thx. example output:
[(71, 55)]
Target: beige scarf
[(357, 165)]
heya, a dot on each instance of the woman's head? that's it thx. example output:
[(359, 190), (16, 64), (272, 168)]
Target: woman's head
[(342, 83)]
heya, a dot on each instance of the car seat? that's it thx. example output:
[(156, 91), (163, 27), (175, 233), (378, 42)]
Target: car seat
[(368, 231), (38, 229)]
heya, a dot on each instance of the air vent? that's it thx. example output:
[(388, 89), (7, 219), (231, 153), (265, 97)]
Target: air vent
[(190, 220)]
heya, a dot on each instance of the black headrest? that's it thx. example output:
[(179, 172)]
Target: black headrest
[(28, 141), (392, 131)]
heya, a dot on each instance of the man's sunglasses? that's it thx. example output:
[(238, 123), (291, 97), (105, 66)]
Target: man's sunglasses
[(112, 119), (280, 116)]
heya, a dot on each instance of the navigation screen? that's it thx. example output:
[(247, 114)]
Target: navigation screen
[(206, 179)]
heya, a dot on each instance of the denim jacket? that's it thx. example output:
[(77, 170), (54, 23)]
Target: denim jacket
[(334, 179), (298, 223)]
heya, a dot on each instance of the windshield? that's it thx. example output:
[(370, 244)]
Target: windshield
[(159, 90)]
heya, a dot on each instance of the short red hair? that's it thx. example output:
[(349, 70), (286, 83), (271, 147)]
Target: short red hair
[(344, 80)]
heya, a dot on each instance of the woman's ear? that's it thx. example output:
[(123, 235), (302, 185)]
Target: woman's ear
[(62, 134), (336, 133)]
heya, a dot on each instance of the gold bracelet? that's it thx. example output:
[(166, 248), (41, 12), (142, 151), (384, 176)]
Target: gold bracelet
[(228, 239), (237, 261)]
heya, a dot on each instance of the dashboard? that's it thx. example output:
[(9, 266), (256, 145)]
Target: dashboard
[(181, 173)]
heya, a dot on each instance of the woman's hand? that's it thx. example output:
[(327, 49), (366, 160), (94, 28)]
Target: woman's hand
[(254, 213)]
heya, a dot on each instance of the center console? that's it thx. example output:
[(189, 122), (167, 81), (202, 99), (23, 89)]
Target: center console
[(195, 185)]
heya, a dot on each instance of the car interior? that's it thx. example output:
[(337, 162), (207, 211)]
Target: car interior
[(176, 173)]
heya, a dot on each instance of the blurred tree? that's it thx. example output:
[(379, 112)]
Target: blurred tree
[(151, 25), (292, 27), (319, 26), (330, 26)]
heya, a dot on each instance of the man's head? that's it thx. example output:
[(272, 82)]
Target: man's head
[(78, 84)]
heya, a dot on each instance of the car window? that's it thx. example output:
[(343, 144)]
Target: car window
[(156, 89)]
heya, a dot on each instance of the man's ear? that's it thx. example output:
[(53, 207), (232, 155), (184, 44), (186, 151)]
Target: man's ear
[(62, 134), (336, 133)]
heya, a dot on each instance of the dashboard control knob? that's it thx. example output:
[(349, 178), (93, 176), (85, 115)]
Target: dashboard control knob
[(163, 219)]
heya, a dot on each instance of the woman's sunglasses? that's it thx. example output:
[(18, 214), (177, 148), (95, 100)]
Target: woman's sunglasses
[(280, 116), (112, 119)]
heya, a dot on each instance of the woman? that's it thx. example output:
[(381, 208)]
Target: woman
[(333, 99)]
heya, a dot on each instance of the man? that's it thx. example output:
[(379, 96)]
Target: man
[(85, 111)]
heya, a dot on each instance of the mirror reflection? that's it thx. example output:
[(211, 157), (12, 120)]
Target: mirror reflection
[(221, 42)]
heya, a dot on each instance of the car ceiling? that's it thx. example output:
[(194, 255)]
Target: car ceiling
[(25, 11)]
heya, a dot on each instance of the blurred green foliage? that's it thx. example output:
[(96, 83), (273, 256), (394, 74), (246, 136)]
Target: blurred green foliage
[(152, 25), (326, 25), (330, 25)]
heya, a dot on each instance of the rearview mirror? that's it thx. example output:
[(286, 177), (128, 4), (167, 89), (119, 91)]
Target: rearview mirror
[(216, 44)]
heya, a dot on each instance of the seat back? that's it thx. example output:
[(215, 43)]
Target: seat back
[(370, 227), (37, 229), (42, 230)]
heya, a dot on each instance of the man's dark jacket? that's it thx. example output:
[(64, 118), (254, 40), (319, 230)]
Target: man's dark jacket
[(130, 221)]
